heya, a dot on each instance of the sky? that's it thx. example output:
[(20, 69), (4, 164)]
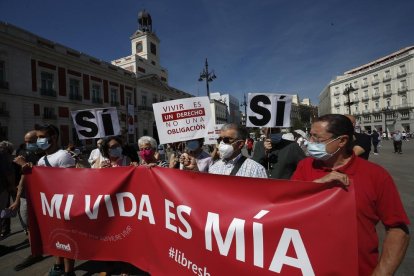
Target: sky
[(262, 46)]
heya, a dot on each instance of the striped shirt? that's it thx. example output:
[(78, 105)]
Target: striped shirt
[(250, 168)]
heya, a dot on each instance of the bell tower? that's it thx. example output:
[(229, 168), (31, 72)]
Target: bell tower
[(144, 42)]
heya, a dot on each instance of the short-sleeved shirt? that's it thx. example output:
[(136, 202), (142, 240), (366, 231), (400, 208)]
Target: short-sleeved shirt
[(61, 159), (249, 168), (376, 197)]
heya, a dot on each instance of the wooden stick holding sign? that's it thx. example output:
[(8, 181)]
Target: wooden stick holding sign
[(96, 123), (268, 110)]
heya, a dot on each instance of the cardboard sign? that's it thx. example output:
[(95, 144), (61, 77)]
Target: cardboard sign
[(212, 135), (268, 110), (96, 123), (183, 119)]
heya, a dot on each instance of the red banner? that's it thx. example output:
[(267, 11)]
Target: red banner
[(172, 222)]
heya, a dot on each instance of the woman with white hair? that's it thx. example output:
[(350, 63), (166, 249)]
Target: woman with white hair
[(148, 152)]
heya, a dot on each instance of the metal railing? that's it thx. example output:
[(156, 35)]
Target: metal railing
[(47, 92)]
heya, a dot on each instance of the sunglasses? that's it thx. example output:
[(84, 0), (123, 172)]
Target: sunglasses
[(226, 140)]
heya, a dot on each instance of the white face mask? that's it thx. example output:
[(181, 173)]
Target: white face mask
[(225, 150)]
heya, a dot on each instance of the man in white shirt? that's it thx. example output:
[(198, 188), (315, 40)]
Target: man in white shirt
[(231, 161), (47, 140), (96, 153)]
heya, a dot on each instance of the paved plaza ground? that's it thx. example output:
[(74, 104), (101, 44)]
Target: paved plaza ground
[(401, 166)]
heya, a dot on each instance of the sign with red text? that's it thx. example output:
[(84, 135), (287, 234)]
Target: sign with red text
[(268, 110), (183, 119), (212, 134), (172, 222), (96, 123)]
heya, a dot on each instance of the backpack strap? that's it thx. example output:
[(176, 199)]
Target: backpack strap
[(47, 162), (238, 164)]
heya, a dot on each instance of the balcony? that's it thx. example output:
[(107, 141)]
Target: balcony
[(75, 97), (365, 84), (374, 82), (48, 116), (337, 104), (4, 113), (97, 100), (387, 93), (402, 74), (405, 106), (355, 100), (365, 98), (145, 108), (47, 92), (402, 89), (378, 118), (366, 119), (4, 85), (355, 86), (376, 96), (376, 110), (336, 93), (386, 79), (366, 111), (113, 103)]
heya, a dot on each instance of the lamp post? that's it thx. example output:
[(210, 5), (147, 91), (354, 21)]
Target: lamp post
[(244, 103), (348, 91), (208, 76)]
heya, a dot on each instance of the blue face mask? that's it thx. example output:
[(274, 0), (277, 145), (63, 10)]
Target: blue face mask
[(318, 150), (31, 147), (116, 152), (193, 145), (276, 137), (43, 143)]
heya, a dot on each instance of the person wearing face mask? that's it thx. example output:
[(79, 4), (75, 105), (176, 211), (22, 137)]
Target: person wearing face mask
[(112, 154), (232, 162), (332, 160), (195, 158), (278, 155), (148, 152), (47, 141)]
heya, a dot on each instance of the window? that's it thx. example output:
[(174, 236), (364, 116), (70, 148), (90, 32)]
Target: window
[(365, 93), (2, 71), (376, 78), (96, 93), (356, 95), (387, 74), (376, 90), (402, 69), (114, 97), (404, 99), (355, 84), (403, 84), (365, 81), (144, 100), (47, 81), (74, 90), (138, 47), (388, 88), (356, 108), (4, 133), (388, 102), (376, 104), (154, 99), (366, 107), (153, 48), (49, 113), (128, 98)]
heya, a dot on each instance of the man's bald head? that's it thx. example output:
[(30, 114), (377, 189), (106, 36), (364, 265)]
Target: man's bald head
[(30, 137), (352, 118)]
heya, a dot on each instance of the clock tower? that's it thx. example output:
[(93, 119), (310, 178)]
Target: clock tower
[(144, 42)]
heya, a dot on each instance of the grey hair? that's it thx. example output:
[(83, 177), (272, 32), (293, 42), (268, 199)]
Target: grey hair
[(241, 132), (7, 146), (147, 140)]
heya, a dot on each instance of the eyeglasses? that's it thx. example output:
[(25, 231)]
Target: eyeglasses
[(226, 140), (317, 140)]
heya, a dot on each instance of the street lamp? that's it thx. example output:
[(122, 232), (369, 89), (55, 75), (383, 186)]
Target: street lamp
[(348, 91), (208, 76)]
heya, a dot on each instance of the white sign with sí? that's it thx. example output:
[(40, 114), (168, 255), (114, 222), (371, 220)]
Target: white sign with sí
[(183, 119), (96, 123), (268, 110)]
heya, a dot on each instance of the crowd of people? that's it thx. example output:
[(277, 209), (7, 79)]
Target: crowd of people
[(332, 152)]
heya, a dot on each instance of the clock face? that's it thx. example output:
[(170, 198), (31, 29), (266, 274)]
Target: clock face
[(139, 47)]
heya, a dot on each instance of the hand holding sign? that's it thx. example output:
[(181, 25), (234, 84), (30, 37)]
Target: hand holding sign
[(269, 110)]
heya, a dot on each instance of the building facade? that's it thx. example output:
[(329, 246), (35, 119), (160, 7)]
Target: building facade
[(379, 94), (233, 106), (302, 113), (41, 82)]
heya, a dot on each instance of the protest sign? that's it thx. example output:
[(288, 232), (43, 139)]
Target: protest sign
[(96, 123), (212, 134), (183, 119), (165, 222), (268, 110)]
